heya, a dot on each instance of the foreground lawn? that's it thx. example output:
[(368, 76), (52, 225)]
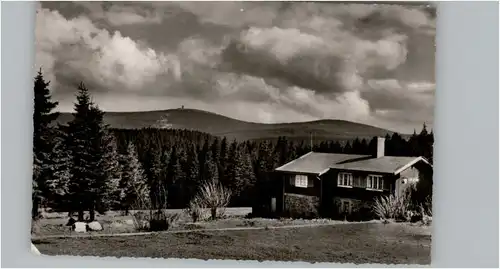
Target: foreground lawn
[(347, 243), (53, 224)]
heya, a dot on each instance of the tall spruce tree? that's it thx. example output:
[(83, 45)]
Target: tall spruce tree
[(192, 172), (241, 177), (94, 159), (176, 175), (60, 163), (109, 193), (210, 171), (133, 186), (43, 134), (154, 160), (262, 168), (82, 159)]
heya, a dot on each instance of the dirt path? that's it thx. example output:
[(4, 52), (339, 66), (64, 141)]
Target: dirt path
[(188, 231)]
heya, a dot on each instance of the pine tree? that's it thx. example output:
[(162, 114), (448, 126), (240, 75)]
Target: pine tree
[(60, 163), (396, 146), (154, 160), (262, 168), (215, 148), (176, 177), (202, 156), (78, 143), (347, 148), (133, 186), (223, 152), (109, 193), (192, 172), (211, 172), (424, 130), (228, 178), (94, 160), (42, 139), (244, 178), (223, 159)]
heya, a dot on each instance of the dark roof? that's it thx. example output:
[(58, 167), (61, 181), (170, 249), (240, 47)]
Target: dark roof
[(319, 163)]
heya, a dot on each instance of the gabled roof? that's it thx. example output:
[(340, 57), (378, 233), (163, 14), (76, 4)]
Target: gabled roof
[(320, 163), (317, 163), (385, 164)]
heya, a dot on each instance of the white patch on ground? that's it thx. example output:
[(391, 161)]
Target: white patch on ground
[(95, 226), (80, 227)]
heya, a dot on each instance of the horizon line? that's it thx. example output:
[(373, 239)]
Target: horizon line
[(252, 122)]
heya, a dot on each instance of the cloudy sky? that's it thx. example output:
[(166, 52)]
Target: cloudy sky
[(254, 61)]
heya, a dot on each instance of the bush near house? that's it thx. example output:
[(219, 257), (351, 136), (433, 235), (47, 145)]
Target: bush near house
[(403, 207), (301, 206), (359, 211)]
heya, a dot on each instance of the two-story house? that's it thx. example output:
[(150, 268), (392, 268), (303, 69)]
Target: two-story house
[(344, 183)]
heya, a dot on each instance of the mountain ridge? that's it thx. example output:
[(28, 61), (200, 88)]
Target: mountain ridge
[(220, 125)]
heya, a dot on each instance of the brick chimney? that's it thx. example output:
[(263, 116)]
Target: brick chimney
[(380, 147)]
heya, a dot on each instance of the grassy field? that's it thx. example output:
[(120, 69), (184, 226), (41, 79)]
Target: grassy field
[(114, 222), (53, 224), (347, 243)]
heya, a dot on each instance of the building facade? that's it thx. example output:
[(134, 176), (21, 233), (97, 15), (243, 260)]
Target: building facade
[(343, 185)]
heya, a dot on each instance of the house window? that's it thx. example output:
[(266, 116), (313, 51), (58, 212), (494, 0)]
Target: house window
[(301, 181), (375, 182), (344, 180)]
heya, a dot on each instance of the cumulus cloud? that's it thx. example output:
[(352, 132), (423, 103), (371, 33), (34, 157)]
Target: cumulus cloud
[(325, 63), (80, 48), (257, 61)]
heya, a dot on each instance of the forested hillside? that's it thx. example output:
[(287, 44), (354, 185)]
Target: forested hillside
[(85, 165)]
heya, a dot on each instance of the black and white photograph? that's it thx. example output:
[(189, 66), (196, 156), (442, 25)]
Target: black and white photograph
[(235, 130)]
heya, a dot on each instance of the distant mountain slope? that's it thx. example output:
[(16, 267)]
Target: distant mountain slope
[(219, 125)]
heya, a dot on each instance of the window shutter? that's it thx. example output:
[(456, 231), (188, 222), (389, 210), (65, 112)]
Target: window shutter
[(292, 181)]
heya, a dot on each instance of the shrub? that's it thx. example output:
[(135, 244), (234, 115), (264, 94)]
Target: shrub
[(214, 196), (363, 212), (383, 207), (195, 209), (141, 221), (155, 217), (426, 211), (301, 206), (156, 225), (427, 206), (392, 207)]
